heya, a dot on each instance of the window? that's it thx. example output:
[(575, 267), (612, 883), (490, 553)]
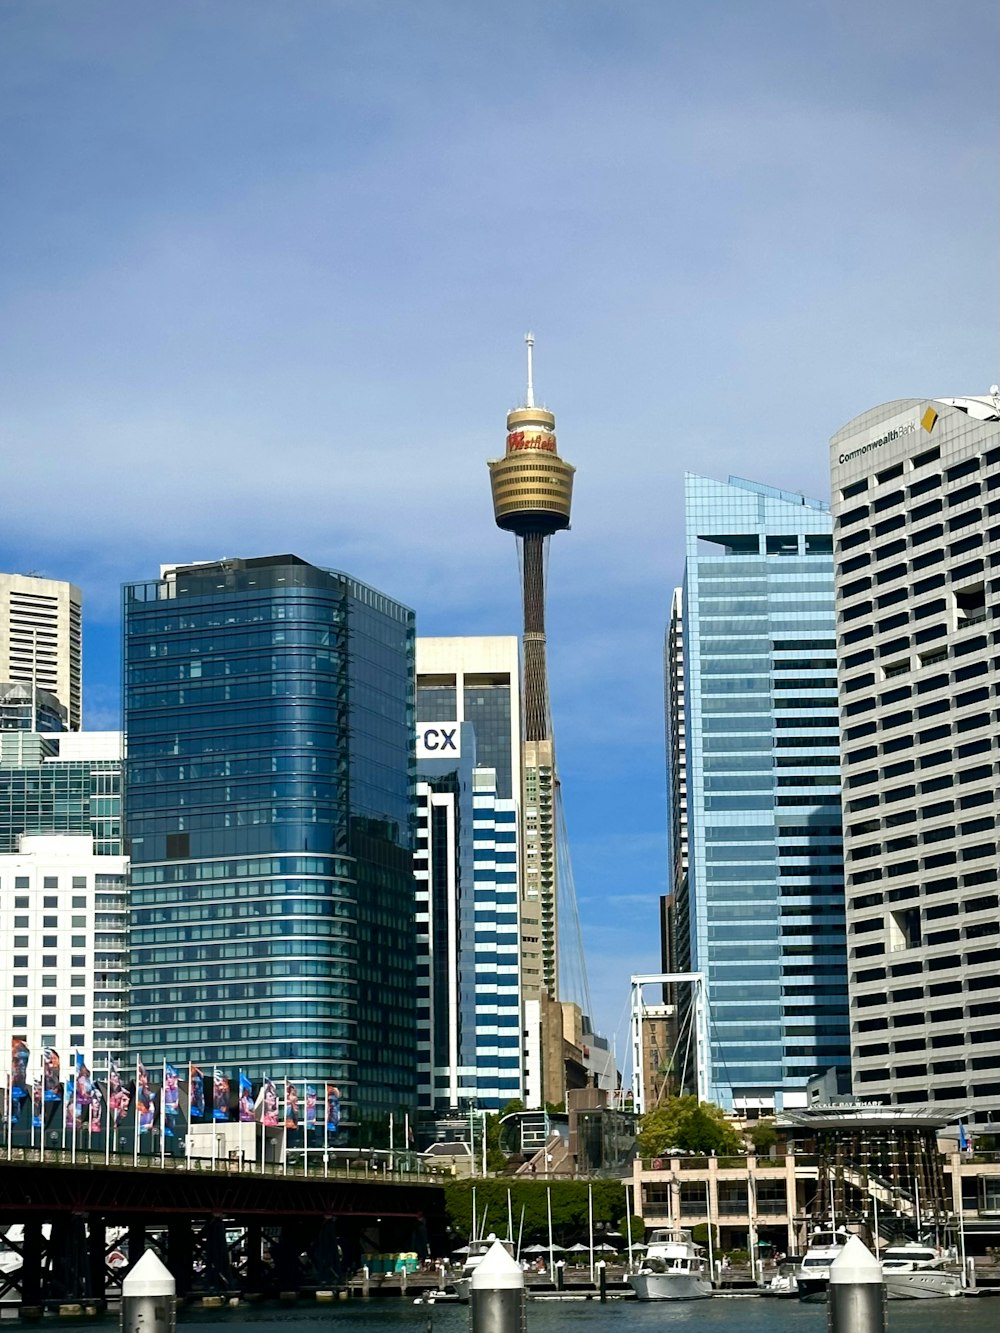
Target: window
[(928, 456)]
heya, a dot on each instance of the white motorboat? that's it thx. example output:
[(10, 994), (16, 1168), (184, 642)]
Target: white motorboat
[(674, 1269), (913, 1271), (785, 1281), (477, 1253), (813, 1276)]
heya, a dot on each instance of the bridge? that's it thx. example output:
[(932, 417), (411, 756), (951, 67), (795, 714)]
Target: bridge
[(230, 1229)]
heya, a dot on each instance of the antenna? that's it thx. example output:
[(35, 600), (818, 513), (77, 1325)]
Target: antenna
[(529, 339)]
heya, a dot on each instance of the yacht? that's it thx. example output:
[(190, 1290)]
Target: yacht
[(813, 1276), (477, 1253), (674, 1269), (914, 1271)]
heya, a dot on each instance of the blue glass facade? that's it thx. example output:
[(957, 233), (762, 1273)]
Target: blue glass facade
[(269, 812), (765, 897)]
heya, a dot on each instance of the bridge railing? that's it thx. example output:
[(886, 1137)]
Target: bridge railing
[(352, 1164)]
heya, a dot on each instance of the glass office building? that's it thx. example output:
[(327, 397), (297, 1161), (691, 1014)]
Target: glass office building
[(48, 786), (468, 983), (764, 888), (269, 809)]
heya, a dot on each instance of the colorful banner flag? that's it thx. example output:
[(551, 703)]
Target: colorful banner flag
[(50, 1073), (220, 1095), (332, 1107), (96, 1109), (246, 1099), (171, 1090), (83, 1090), (291, 1105), (310, 1106), (18, 1069), (196, 1092), (118, 1098), (145, 1099), (269, 1103)]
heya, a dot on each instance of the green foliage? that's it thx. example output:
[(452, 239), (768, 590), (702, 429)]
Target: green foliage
[(763, 1135), (738, 1257), (569, 1208), (683, 1122), (699, 1234)]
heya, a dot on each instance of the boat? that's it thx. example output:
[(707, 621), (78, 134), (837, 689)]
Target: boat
[(674, 1269), (913, 1271), (478, 1249), (813, 1276), (785, 1282)]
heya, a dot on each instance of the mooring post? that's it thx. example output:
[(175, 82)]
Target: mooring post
[(497, 1293), (856, 1294), (149, 1299), (602, 1281)]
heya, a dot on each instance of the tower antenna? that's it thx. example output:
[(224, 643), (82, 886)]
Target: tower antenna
[(529, 339)]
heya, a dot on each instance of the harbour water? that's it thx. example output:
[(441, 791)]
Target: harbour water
[(754, 1315)]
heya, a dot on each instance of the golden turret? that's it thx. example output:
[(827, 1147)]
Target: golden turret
[(532, 486)]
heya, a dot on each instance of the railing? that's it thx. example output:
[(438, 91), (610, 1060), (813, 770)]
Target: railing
[(342, 1164)]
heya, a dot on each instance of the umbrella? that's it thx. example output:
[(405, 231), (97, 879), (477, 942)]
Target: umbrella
[(462, 1249), (540, 1249), (609, 1249), (579, 1248)]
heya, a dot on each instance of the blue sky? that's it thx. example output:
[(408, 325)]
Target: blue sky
[(266, 269)]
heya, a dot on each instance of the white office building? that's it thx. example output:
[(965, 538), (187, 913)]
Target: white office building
[(916, 494), (41, 639), (63, 916)]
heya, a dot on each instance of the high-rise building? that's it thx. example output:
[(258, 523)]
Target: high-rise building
[(65, 783), (532, 497), (763, 894), (468, 880), (468, 985), (41, 640), (918, 549), (63, 875), (270, 813)]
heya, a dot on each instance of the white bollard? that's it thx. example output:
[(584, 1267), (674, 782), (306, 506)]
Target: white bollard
[(856, 1294), (149, 1297), (496, 1293)]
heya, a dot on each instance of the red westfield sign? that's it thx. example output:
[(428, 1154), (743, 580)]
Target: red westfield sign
[(519, 439)]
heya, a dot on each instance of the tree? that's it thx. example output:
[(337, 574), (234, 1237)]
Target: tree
[(763, 1136), (683, 1122)]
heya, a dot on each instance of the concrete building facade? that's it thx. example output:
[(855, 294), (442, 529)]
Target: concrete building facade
[(41, 639), (916, 494)]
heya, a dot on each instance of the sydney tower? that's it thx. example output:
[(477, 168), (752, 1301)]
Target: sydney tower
[(532, 495)]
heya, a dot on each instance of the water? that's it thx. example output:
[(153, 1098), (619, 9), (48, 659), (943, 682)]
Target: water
[(755, 1315)]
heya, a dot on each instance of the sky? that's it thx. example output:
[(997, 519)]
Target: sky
[(266, 270)]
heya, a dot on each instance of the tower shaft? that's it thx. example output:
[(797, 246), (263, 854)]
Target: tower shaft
[(536, 684)]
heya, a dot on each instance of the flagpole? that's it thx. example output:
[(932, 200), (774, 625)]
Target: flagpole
[(326, 1130), (163, 1115), (215, 1141), (284, 1141), (10, 1115), (107, 1114), (76, 1106), (305, 1129), (189, 1136), (135, 1116), (41, 1114)]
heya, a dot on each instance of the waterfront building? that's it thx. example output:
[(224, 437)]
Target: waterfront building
[(468, 987), (917, 554), (41, 642), (63, 910), (762, 898), (270, 813)]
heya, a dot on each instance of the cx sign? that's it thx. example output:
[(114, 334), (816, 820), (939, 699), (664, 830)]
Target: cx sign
[(438, 740)]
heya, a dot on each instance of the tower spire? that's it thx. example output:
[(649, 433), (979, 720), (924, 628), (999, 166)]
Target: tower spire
[(529, 339)]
